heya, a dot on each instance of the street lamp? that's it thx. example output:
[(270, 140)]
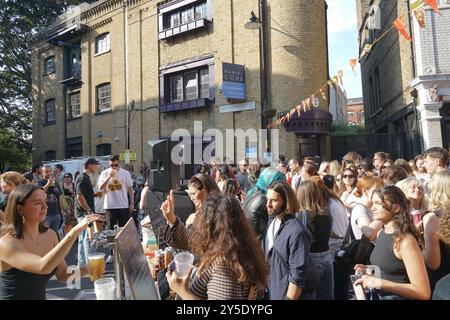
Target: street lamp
[(254, 22)]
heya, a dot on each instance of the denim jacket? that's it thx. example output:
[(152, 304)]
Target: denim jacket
[(292, 243)]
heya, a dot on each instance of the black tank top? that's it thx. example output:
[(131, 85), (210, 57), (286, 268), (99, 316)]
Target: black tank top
[(391, 267), (20, 285), (320, 227), (444, 267)]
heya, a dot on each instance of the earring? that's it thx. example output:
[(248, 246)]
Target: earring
[(23, 219)]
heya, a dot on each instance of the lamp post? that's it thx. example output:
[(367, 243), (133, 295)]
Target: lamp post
[(255, 23)]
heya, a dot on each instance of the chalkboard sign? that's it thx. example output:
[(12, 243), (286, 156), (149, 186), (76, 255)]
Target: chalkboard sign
[(135, 264)]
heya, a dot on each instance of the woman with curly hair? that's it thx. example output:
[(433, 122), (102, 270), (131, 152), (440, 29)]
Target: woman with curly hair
[(232, 263), (398, 251), (437, 246)]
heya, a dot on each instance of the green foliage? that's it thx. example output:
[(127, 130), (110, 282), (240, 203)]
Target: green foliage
[(345, 129), (12, 154), (20, 20)]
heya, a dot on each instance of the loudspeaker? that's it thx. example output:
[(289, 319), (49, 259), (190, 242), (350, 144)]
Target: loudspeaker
[(164, 175)]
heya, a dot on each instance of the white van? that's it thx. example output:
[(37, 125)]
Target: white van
[(74, 165)]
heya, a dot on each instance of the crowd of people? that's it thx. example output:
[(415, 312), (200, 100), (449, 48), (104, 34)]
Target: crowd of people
[(304, 230)]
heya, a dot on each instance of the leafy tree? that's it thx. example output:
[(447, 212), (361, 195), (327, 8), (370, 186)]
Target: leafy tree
[(20, 20), (345, 129)]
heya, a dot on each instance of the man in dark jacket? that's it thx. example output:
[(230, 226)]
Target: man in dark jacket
[(286, 245), (255, 202)]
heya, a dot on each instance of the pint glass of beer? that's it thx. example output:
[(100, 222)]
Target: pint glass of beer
[(96, 265)]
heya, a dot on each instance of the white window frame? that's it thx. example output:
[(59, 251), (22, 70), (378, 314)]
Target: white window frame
[(102, 44), (104, 99), (75, 107)]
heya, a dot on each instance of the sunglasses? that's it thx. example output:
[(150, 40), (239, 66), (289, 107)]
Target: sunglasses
[(348, 176), (67, 177), (114, 165)]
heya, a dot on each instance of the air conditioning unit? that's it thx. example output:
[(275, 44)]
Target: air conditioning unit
[(429, 70)]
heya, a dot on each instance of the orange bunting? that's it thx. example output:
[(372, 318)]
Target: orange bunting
[(400, 25), (433, 4), (322, 93), (353, 63)]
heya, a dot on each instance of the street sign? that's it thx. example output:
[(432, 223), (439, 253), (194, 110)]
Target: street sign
[(238, 107)]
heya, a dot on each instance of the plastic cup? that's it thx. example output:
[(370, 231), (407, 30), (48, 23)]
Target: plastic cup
[(96, 265), (105, 288), (183, 261)]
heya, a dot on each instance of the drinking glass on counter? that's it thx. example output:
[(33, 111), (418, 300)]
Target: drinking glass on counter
[(96, 265)]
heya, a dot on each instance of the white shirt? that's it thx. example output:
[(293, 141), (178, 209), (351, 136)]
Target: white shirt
[(116, 191), (271, 233)]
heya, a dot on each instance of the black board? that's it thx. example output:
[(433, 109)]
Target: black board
[(135, 264)]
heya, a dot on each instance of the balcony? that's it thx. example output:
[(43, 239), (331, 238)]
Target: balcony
[(181, 29), (314, 122), (66, 31), (184, 105)]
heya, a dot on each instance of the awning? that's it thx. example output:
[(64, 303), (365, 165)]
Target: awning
[(66, 32)]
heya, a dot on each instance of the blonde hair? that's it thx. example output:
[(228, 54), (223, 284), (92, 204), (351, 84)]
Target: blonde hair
[(439, 191), (13, 177), (444, 227), (335, 168), (406, 184), (323, 166)]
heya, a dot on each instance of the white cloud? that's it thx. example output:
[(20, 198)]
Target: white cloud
[(341, 16)]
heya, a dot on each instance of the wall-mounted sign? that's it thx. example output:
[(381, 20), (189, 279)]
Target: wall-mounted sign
[(233, 77), (238, 107)]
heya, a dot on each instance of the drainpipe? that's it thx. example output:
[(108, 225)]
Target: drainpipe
[(125, 52)]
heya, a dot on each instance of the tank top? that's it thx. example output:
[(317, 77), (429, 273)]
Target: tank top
[(391, 267), (444, 267), (20, 285), (320, 228)]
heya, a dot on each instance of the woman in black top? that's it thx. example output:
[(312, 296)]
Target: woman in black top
[(317, 218), (397, 253), (29, 251)]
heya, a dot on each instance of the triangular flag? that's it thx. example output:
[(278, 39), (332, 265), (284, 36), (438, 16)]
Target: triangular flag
[(322, 93), (330, 83), (299, 110), (312, 98), (400, 25), (420, 17), (304, 105), (308, 103), (340, 78), (417, 5), (353, 63), (433, 5), (365, 51)]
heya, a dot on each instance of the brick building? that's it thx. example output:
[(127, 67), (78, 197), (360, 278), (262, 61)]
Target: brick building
[(355, 111), (400, 109), (115, 74)]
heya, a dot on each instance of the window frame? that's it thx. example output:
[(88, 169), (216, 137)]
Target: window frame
[(46, 111), (102, 146), (71, 115), (108, 44), (183, 74), (46, 72), (97, 99), (50, 155)]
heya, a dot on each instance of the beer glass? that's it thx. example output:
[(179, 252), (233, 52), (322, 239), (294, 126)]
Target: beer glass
[(96, 265)]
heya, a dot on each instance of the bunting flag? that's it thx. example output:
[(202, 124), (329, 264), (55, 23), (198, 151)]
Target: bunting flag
[(400, 25), (417, 4), (433, 5), (299, 110), (322, 93), (420, 17), (340, 78), (304, 105), (366, 50), (330, 83), (353, 63), (312, 98)]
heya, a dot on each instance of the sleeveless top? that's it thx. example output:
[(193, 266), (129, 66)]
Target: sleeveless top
[(444, 267), (320, 228), (391, 267), (20, 285)]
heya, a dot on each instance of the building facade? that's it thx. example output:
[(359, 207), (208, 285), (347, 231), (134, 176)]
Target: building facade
[(355, 111), (115, 74), (397, 76), (338, 103)]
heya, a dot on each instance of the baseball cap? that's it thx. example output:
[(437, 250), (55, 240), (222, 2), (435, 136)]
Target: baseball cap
[(91, 161)]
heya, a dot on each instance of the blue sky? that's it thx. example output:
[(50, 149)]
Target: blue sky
[(343, 43)]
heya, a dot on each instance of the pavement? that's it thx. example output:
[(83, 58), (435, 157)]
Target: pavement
[(75, 290)]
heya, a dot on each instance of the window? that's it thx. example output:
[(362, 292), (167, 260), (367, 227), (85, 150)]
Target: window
[(102, 44), (182, 15), (50, 155), (190, 85), (75, 105), (75, 147), (103, 149), (103, 97), (49, 65), (50, 111)]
